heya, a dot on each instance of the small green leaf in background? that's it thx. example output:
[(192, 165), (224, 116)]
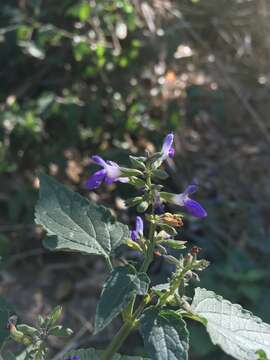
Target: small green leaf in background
[(6, 310), (74, 223), (238, 332), (164, 334), (93, 354), (81, 10), (117, 292)]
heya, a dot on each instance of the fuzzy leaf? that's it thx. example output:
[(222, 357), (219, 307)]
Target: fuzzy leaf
[(164, 334), (117, 292), (238, 332), (73, 223)]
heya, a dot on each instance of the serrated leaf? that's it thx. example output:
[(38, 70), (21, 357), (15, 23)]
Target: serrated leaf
[(238, 332), (93, 354), (122, 284), (73, 223), (164, 334)]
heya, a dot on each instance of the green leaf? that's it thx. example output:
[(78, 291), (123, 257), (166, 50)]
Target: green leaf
[(261, 355), (238, 332), (81, 10), (74, 223), (175, 244), (164, 334), (138, 162), (93, 354), (6, 310), (32, 49), (117, 292), (61, 331), (160, 174), (54, 316), (27, 330)]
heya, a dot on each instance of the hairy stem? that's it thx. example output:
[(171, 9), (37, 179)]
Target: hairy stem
[(150, 249)]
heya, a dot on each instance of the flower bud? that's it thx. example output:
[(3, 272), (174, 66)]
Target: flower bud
[(160, 174), (138, 162), (133, 245), (142, 207)]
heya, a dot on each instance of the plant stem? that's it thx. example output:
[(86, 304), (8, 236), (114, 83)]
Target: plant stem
[(118, 340), (131, 323), (151, 246)]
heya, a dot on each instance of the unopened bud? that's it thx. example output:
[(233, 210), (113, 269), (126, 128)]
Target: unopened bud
[(188, 275), (146, 299), (188, 259), (196, 250), (142, 207), (133, 245)]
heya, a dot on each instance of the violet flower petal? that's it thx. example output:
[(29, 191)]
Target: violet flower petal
[(98, 160), (171, 152), (167, 146), (139, 225), (95, 179), (133, 235), (194, 208), (191, 189), (108, 180)]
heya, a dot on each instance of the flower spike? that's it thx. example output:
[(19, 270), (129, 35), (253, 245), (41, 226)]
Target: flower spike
[(192, 206), (110, 173)]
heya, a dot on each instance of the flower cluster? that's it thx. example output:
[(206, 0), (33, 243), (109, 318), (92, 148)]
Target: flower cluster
[(73, 358), (112, 172)]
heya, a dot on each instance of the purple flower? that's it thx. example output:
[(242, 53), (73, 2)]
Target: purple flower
[(192, 206), (110, 173), (138, 231), (158, 206), (73, 358), (167, 147)]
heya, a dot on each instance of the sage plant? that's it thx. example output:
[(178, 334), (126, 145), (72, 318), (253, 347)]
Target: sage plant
[(159, 312)]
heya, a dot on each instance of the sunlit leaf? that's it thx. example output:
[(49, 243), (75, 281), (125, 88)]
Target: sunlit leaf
[(75, 224), (237, 331)]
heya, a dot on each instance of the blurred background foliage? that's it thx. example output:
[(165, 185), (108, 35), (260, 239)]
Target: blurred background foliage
[(112, 77)]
